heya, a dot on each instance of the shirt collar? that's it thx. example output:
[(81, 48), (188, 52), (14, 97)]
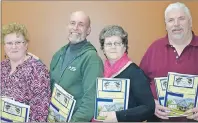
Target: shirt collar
[(194, 41)]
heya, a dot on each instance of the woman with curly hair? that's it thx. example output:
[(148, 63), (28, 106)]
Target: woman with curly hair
[(114, 43), (23, 77)]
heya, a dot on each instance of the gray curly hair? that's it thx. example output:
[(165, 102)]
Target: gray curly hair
[(113, 30)]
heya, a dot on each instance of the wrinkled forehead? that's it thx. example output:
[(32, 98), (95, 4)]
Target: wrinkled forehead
[(176, 13)]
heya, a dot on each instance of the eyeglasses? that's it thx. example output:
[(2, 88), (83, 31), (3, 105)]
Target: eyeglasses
[(17, 43), (115, 44)]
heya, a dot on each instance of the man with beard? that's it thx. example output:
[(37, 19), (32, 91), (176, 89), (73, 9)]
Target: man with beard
[(176, 52), (76, 66)]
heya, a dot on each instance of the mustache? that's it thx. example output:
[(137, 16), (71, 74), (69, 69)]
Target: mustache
[(175, 29)]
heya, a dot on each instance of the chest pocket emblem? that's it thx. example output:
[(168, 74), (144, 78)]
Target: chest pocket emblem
[(72, 68)]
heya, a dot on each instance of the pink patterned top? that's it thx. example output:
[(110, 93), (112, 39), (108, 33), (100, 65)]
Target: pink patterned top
[(29, 84)]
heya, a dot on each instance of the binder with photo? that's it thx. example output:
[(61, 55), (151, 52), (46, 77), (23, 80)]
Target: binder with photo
[(112, 95), (181, 93), (61, 106)]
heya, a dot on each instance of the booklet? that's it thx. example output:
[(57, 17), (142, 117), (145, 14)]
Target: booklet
[(161, 85), (61, 106), (13, 111), (112, 95), (181, 93)]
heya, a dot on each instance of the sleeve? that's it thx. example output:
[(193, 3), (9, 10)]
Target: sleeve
[(144, 101), (147, 64), (53, 64), (144, 63), (40, 94), (91, 70)]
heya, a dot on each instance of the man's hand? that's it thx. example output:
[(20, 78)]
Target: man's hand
[(192, 113)]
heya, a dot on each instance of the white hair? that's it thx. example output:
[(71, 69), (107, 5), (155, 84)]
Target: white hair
[(178, 5)]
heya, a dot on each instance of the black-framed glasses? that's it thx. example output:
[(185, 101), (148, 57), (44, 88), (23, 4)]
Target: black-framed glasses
[(111, 44)]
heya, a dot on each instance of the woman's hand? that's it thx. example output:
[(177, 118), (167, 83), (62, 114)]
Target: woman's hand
[(111, 117), (161, 111)]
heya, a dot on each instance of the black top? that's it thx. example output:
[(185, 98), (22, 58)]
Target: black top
[(71, 52), (141, 105)]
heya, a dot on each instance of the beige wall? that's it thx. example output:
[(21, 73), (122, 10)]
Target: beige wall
[(1, 46), (47, 22)]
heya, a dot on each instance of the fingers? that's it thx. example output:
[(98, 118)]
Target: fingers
[(162, 117), (189, 112), (161, 111), (192, 114), (106, 121), (161, 114), (109, 120), (165, 109), (111, 117), (195, 117), (195, 109), (160, 107), (192, 110)]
